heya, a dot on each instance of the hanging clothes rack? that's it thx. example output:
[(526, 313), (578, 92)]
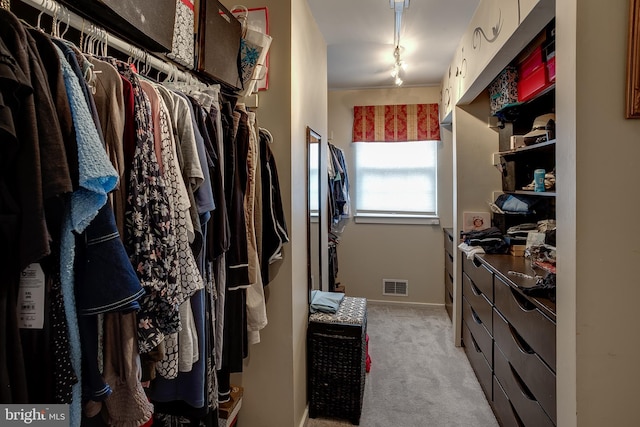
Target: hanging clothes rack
[(53, 8)]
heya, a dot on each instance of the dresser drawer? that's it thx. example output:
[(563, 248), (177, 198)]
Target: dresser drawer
[(448, 283), (478, 302), (448, 242), (448, 263), (523, 401), (448, 303), (503, 408), (537, 376), (479, 275), (532, 325), (477, 361), (480, 333)]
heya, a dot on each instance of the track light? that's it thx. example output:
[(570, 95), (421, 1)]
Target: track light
[(399, 65)]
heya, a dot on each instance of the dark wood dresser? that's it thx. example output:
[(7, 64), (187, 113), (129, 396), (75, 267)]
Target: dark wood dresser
[(510, 340)]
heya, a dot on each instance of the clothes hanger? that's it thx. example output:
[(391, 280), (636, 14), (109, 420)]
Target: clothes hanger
[(66, 28), (105, 43), (241, 13), (44, 4), (54, 23)]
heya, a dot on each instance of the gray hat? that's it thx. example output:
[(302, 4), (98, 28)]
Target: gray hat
[(541, 125)]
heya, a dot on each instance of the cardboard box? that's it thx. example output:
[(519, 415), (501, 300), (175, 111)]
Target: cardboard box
[(517, 250), (229, 410)]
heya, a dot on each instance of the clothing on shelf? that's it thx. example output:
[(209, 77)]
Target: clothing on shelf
[(154, 212)]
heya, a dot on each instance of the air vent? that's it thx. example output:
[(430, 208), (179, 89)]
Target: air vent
[(395, 287)]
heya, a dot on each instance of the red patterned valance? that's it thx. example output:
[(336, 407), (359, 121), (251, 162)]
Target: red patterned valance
[(396, 123)]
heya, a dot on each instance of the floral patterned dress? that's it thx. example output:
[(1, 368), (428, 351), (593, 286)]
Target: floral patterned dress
[(149, 234)]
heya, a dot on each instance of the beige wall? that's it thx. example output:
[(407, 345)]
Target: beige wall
[(308, 108), (368, 253), (475, 179), (598, 152), (274, 377)]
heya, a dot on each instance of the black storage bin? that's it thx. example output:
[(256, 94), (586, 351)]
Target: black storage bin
[(218, 47), (148, 23), (336, 353)]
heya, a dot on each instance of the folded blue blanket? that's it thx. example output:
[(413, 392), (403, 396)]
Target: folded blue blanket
[(326, 302)]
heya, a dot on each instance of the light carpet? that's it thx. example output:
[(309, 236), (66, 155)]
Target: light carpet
[(418, 377)]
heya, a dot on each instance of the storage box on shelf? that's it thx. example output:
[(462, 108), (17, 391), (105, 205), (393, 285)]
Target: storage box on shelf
[(336, 349), (503, 90), (509, 339), (448, 271), (533, 70)]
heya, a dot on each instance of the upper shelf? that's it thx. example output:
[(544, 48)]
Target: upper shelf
[(511, 112), (529, 148)]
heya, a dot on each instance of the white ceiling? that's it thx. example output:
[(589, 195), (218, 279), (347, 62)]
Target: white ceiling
[(359, 36)]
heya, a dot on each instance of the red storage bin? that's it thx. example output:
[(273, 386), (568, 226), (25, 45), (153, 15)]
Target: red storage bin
[(531, 63), (551, 68), (531, 85)]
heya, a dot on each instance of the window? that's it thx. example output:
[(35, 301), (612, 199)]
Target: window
[(396, 179)]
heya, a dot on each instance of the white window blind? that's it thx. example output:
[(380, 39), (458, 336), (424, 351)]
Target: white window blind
[(396, 178)]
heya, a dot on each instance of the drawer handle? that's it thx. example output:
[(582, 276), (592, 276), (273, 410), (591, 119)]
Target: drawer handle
[(475, 317), (450, 277), (516, 416), (477, 292), (521, 385), (475, 345), (520, 342), (450, 238), (524, 303), (476, 262), (450, 257)]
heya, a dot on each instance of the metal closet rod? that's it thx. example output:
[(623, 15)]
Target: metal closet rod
[(65, 16)]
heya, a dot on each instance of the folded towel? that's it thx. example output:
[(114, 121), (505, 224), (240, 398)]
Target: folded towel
[(326, 302), (470, 251)]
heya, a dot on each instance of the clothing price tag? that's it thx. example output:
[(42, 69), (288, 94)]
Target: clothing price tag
[(31, 298)]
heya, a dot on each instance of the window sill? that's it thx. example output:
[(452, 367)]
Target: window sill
[(397, 219)]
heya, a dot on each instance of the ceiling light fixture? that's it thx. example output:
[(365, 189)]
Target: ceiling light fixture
[(399, 65)]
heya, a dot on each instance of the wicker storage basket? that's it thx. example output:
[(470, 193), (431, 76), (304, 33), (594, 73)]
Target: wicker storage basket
[(336, 361)]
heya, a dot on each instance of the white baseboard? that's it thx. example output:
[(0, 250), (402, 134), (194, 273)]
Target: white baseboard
[(404, 304), (305, 417)]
